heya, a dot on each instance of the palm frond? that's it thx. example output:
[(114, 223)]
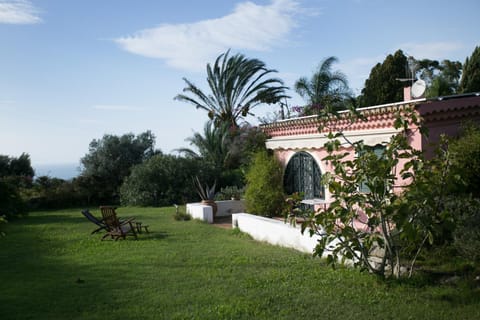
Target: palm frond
[(325, 86), (237, 84)]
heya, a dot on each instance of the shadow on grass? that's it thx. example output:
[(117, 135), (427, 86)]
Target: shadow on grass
[(35, 218), (450, 288), (140, 237), (52, 268)]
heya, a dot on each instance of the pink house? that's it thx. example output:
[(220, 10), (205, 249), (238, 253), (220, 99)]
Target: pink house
[(299, 145)]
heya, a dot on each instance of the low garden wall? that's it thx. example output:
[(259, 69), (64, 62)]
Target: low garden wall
[(225, 208), (275, 232)]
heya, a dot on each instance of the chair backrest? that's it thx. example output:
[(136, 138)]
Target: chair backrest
[(110, 216), (92, 218)]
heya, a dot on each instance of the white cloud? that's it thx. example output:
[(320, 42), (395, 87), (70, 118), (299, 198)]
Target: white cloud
[(431, 50), (191, 46), (18, 12), (116, 107)]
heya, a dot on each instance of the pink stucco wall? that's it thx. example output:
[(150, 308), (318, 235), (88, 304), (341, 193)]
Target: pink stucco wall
[(440, 117), (446, 117), (380, 118)]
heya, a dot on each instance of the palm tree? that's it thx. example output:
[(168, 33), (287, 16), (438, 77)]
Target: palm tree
[(325, 88), (237, 85), (213, 146)]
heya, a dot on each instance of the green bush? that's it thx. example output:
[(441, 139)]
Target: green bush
[(15, 176), (162, 180), (2, 220), (467, 232), (230, 192), (465, 153), (264, 193), (53, 193), (181, 215), (11, 202), (444, 197)]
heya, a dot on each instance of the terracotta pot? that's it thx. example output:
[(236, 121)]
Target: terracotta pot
[(212, 204)]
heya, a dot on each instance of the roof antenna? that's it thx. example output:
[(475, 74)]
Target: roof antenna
[(411, 66), (418, 86)]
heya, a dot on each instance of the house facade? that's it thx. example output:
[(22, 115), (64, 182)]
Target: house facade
[(298, 143)]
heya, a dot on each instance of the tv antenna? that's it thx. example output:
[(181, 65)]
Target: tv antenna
[(411, 66)]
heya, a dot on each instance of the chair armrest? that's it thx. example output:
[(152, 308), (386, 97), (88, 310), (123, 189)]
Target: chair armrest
[(127, 220)]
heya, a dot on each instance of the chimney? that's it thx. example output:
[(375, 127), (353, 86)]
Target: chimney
[(407, 96)]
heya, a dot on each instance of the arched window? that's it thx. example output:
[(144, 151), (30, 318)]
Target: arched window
[(379, 151), (303, 175)]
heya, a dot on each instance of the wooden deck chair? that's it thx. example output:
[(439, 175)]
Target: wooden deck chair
[(115, 228), (92, 218)]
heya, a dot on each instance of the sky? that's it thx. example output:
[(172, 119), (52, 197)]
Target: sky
[(72, 71)]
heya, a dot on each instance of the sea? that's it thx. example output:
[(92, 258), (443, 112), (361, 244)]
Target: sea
[(65, 171)]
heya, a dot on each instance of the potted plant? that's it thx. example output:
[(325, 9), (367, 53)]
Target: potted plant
[(207, 194)]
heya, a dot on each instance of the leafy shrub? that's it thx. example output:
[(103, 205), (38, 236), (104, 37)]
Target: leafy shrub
[(430, 205), (180, 215), (11, 202), (15, 175), (467, 232), (264, 192), (294, 208), (162, 180), (230, 192), (2, 220), (465, 153), (54, 193)]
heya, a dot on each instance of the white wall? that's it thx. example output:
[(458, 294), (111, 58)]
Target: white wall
[(275, 232), (225, 208), (200, 211)]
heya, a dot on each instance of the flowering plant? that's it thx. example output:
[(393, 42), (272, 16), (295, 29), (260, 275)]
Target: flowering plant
[(308, 110)]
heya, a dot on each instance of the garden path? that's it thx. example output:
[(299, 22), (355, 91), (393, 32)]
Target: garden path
[(223, 222)]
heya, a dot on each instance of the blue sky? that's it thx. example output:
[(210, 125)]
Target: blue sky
[(72, 71)]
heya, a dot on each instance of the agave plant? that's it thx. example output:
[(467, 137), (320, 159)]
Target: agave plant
[(205, 192)]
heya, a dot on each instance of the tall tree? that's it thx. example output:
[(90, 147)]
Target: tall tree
[(111, 158), (382, 85), (237, 85), (440, 86), (441, 78), (213, 145), (11, 166), (224, 150), (452, 71), (471, 73), (162, 180), (15, 174), (324, 88)]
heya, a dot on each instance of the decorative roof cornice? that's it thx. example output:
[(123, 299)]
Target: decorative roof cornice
[(452, 108), (378, 117), (449, 109)]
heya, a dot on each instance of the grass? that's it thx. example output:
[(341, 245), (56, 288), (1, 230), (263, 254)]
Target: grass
[(52, 268)]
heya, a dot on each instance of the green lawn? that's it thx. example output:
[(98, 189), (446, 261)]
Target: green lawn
[(52, 268)]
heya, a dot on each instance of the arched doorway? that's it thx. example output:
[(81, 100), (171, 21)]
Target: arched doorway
[(303, 175)]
